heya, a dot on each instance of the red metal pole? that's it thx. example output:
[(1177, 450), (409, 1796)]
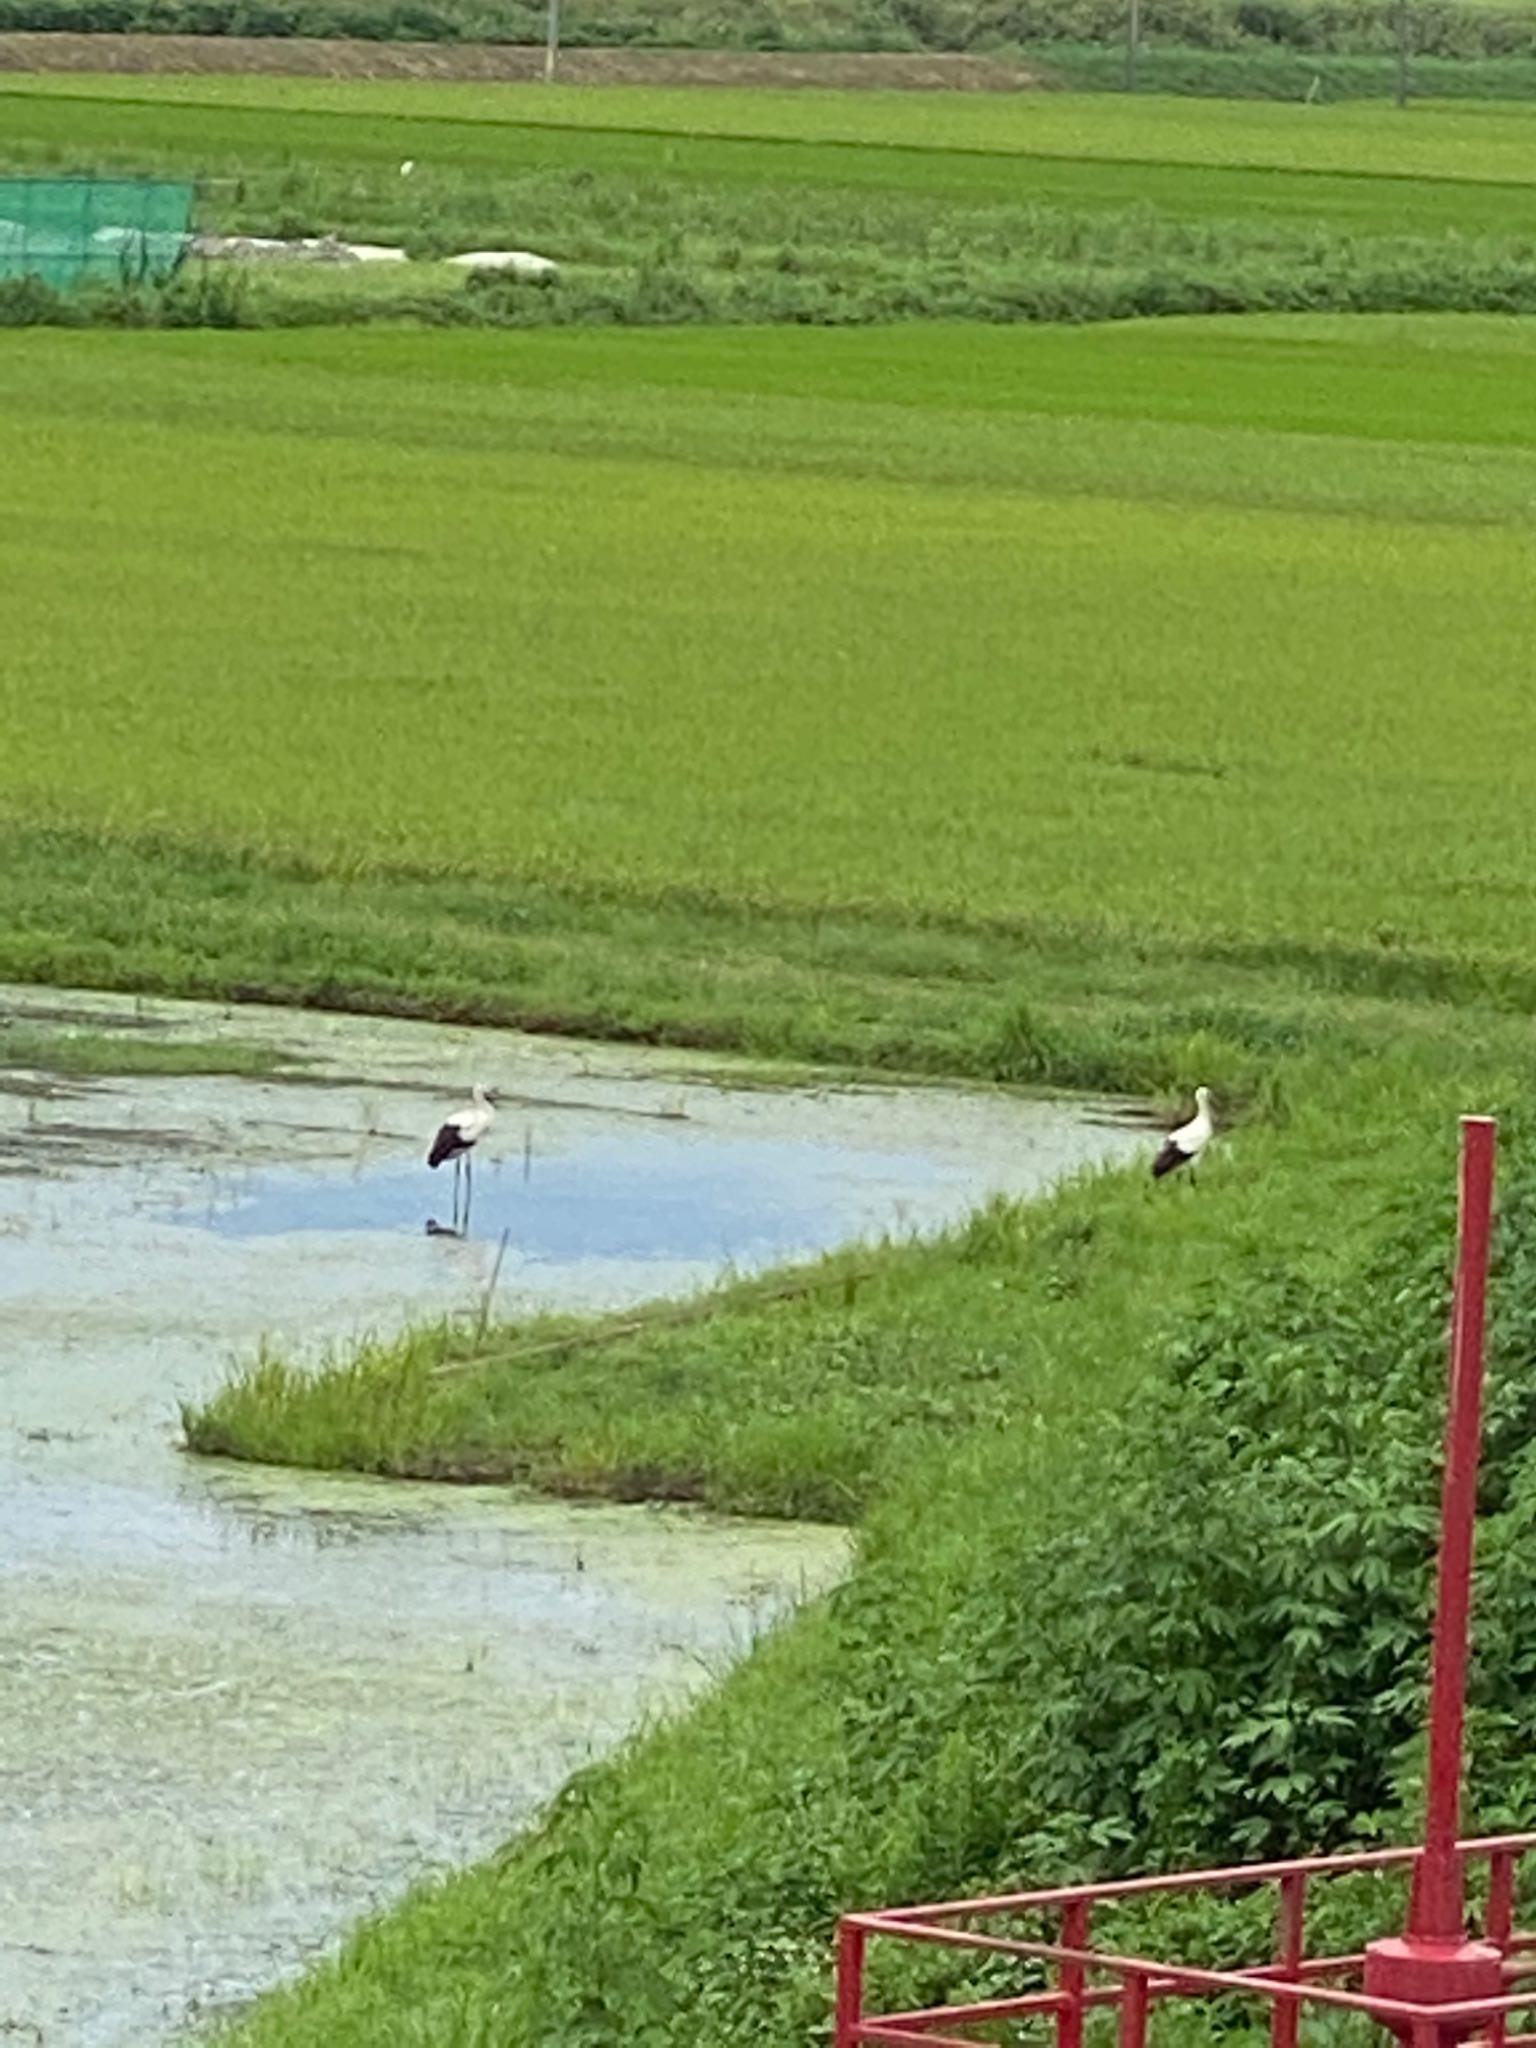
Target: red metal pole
[(1434, 1963), (850, 1983), (1133, 2012), (1290, 1946), (1501, 1922), (1073, 1977), (1501, 1898), (1438, 1900)]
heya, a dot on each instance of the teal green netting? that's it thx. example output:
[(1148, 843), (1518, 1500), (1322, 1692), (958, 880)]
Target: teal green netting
[(71, 231)]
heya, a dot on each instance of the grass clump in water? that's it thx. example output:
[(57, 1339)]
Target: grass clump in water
[(799, 1396), (110, 1052), (367, 1411)]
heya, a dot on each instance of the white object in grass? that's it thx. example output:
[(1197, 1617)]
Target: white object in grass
[(520, 263)]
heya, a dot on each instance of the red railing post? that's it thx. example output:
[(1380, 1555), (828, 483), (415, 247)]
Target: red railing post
[(1501, 1924), (851, 1941), (1075, 1922), (1133, 2011), (1501, 1897), (1290, 1946)]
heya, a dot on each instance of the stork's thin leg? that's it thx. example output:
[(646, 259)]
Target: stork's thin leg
[(457, 1168), (469, 1188)]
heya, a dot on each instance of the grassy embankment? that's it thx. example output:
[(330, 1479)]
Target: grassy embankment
[(692, 206), (1234, 48)]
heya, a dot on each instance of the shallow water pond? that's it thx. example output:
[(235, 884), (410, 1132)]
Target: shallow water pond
[(240, 1708)]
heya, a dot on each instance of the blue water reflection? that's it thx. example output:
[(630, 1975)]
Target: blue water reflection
[(652, 1196)]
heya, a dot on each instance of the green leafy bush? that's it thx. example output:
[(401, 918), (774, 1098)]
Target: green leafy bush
[(1225, 1655), (1339, 27), (29, 302), (1175, 272)]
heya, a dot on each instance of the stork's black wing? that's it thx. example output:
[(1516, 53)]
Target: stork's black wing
[(1168, 1159), (448, 1144)]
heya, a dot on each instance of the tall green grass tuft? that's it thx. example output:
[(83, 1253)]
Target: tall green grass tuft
[(732, 260), (802, 1398), (343, 1413)]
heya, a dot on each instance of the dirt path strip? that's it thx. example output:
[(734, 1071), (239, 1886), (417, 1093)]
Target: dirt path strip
[(310, 57)]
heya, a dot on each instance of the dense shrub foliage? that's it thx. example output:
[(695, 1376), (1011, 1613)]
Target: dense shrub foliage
[(1174, 275), (1341, 27), (1223, 1649)]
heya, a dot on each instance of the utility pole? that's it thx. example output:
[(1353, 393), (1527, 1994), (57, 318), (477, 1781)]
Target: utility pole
[(1402, 53), (1133, 45), (552, 42)]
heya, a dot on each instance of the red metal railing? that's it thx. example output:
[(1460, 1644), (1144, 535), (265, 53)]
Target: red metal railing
[(1434, 1985), (1084, 1977)]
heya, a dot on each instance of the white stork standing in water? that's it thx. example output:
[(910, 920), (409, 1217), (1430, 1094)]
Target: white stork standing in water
[(1184, 1146), (457, 1137)]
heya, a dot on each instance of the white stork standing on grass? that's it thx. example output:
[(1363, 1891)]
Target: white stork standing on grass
[(1184, 1146), (457, 1137)]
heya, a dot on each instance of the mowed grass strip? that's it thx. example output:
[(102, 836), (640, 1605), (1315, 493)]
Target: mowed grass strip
[(386, 603)]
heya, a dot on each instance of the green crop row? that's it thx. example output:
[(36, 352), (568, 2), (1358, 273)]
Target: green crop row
[(1273, 71), (938, 146), (605, 193)]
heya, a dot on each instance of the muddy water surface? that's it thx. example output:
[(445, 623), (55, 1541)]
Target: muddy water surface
[(240, 1708)]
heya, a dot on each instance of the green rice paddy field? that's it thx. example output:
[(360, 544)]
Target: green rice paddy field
[(1364, 165), (1208, 637), (1487, 142)]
